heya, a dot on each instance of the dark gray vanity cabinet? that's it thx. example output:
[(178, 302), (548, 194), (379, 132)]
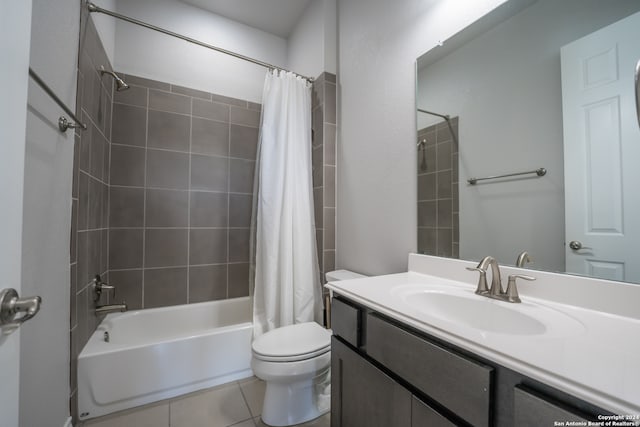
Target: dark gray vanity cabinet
[(387, 374)]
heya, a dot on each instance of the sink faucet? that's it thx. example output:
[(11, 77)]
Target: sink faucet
[(495, 291)]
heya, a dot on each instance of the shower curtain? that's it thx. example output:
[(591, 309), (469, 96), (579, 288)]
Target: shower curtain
[(285, 273)]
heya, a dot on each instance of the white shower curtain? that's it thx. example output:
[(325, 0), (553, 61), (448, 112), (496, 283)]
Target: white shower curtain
[(286, 282)]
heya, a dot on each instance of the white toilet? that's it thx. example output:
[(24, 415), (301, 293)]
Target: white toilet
[(295, 363)]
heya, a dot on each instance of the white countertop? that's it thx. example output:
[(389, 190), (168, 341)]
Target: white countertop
[(595, 355)]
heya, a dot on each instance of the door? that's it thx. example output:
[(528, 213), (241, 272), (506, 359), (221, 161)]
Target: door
[(15, 34), (601, 152)]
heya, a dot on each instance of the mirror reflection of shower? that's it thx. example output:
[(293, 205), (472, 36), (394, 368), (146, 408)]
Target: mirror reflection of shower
[(120, 84), (438, 198)]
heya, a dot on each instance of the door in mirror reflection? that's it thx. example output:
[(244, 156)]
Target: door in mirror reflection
[(602, 150)]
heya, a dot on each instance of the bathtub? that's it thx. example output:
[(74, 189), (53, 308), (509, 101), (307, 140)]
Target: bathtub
[(160, 353)]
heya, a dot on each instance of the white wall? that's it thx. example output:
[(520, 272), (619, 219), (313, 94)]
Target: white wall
[(505, 86), (305, 47), (44, 369), (379, 42), (106, 26), (146, 53)]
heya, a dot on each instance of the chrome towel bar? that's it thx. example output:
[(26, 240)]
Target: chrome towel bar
[(539, 172), (63, 123)]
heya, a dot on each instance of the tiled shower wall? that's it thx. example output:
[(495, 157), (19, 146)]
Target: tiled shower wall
[(323, 124), (438, 202), (90, 191), (181, 182)]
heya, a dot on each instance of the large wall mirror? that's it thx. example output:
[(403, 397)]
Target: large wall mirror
[(545, 90)]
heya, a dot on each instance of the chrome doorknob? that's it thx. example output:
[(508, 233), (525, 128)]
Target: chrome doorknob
[(575, 245), (11, 305)]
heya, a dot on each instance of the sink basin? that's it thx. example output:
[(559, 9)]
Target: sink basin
[(479, 313), (465, 308)]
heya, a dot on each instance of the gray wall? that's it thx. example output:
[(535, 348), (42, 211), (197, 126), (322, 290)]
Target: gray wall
[(378, 44), (90, 192), (181, 185), (44, 370), (505, 85), (323, 155)]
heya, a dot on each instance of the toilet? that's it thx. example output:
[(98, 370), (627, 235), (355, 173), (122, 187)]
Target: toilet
[(295, 363)]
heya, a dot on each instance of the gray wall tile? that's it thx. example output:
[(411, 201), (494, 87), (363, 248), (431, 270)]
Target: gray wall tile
[(167, 208), (127, 165), (228, 100), (240, 206), (329, 228), (207, 283), (165, 247), (190, 92), (209, 209), (135, 95), (170, 102), (238, 280), (244, 116), (241, 176), (125, 248), (330, 103), (239, 245), (128, 285), (165, 286), (129, 125), (210, 110), (168, 130), (207, 246), (244, 142), (126, 207), (209, 137), (167, 169), (209, 173), (427, 212), (329, 144)]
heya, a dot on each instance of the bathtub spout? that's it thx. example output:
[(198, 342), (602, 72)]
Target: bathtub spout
[(103, 309)]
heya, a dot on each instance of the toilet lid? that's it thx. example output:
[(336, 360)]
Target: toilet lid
[(294, 342)]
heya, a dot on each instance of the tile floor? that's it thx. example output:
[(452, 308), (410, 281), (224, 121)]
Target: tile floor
[(237, 404)]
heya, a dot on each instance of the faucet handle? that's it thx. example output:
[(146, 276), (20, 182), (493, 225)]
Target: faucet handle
[(512, 289), (99, 286), (482, 280)]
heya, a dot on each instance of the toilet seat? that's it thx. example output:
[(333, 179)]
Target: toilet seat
[(292, 343)]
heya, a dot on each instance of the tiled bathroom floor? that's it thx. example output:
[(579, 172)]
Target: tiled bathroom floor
[(237, 404)]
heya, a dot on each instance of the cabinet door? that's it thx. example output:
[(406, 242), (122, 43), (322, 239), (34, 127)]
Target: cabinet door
[(362, 395), (531, 409), (422, 415)]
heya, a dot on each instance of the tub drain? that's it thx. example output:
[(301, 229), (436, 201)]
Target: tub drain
[(106, 336)]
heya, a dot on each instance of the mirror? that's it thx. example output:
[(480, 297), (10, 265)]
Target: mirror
[(534, 84)]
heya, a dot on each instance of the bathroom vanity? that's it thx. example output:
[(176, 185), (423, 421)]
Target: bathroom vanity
[(401, 359)]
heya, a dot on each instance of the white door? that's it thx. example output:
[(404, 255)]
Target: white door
[(602, 152), (15, 34)]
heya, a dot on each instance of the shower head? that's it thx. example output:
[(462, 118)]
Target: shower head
[(120, 84)]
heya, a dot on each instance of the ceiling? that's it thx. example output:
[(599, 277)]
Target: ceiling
[(277, 17)]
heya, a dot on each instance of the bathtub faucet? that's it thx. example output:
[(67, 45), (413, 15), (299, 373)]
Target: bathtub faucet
[(110, 308)]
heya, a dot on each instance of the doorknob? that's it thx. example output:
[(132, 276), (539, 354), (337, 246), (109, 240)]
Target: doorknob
[(11, 305), (575, 245)]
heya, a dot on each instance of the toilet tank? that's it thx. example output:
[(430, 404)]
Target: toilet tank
[(337, 275)]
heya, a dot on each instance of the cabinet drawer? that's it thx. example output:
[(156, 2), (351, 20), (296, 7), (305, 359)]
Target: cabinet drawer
[(346, 322), (424, 415), (531, 409), (456, 382)]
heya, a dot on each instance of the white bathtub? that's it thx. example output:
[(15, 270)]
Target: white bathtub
[(164, 352)]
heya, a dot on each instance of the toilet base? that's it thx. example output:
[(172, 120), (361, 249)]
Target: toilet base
[(295, 403)]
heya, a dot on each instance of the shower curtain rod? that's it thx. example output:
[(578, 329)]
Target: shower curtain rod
[(446, 117), (93, 8)]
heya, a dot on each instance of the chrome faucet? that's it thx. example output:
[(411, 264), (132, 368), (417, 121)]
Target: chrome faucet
[(110, 308), (495, 291), (523, 258), (98, 287)]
